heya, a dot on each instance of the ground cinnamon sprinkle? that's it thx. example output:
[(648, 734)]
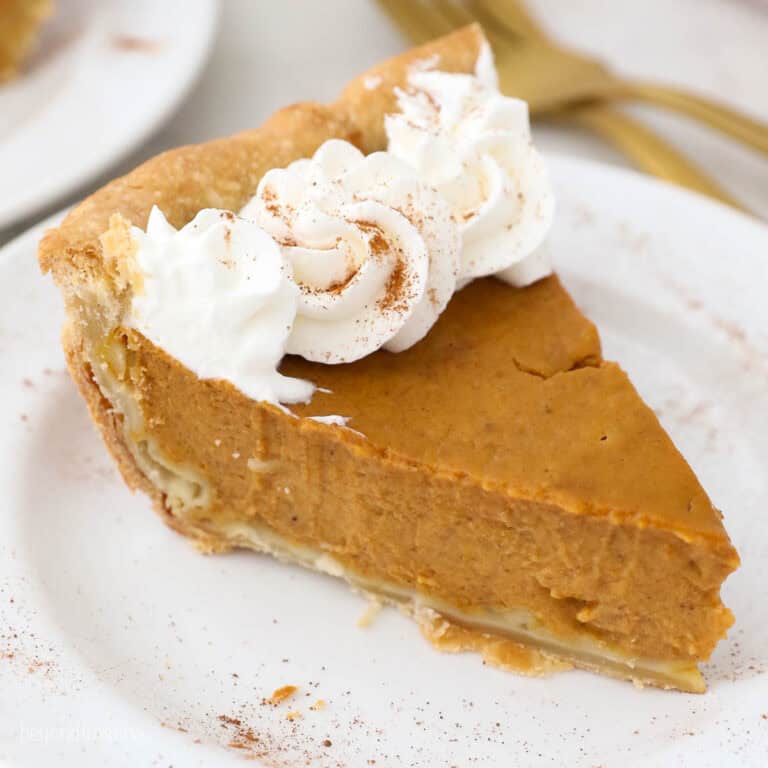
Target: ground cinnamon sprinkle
[(229, 720), (395, 288), (270, 201), (37, 665), (336, 287), (377, 242), (243, 737), (281, 694), (397, 284)]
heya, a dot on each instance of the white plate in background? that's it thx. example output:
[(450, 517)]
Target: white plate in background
[(121, 646), (105, 75)]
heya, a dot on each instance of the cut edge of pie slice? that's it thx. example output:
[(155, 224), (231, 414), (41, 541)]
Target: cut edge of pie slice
[(499, 481)]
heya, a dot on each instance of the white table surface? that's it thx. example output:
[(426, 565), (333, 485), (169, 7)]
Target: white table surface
[(312, 47)]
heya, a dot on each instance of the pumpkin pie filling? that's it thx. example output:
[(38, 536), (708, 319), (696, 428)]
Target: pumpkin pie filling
[(498, 479)]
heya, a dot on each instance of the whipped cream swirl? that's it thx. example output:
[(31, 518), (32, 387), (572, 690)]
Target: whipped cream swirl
[(373, 250), (218, 296), (474, 145)]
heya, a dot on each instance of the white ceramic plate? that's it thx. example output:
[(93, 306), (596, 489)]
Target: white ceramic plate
[(107, 73), (121, 646)]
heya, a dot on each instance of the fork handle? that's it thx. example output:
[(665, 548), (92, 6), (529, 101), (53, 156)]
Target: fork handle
[(724, 119), (645, 148)]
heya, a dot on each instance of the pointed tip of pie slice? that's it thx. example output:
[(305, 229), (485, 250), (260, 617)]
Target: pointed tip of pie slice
[(621, 461)]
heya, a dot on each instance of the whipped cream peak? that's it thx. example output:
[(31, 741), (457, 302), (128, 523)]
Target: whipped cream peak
[(217, 294), (474, 145), (373, 250)]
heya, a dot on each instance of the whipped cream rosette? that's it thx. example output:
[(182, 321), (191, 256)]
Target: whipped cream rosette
[(218, 296), (474, 145), (374, 251)]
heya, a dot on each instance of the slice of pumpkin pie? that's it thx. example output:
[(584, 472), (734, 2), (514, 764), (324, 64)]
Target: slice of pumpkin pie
[(337, 339)]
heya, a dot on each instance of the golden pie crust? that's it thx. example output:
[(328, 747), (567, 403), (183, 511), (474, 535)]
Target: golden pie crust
[(499, 480)]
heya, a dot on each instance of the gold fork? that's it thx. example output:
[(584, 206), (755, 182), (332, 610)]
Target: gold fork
[(552, 76), (421, 21)]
